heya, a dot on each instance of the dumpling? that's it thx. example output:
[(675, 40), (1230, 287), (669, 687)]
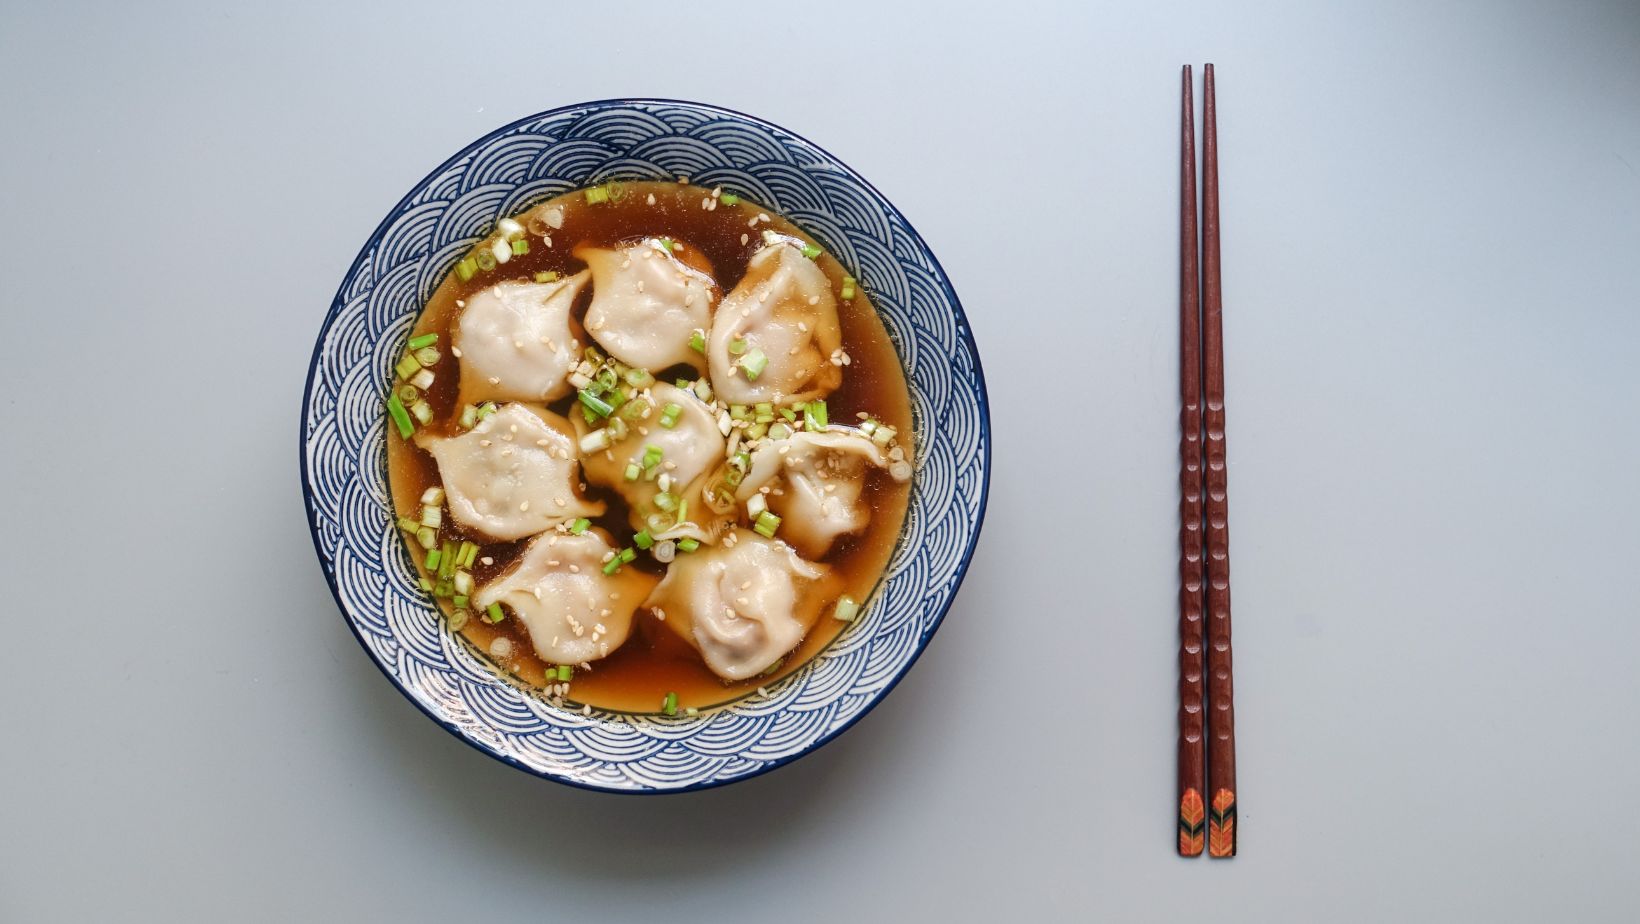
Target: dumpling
[(647, 304), (684, 454), (815, 480), (513, 475), (573, 611), (775, 335), (515, 341), (744, 605)]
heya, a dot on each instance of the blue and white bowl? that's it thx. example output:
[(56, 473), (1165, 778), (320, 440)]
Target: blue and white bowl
[(344, 468)]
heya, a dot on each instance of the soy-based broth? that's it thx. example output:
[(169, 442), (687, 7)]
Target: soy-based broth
[(654, 661)]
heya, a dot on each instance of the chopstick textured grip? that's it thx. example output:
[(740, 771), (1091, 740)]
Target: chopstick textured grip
[(1192, 771), (1221, 713)]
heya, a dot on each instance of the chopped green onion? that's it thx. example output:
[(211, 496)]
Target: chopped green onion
[(546, 276), (608, 378), (596, 195), (458, 619), (666, 244), (425, 340), (741, 460), (595, 441), (765, 413), (643, 540), (521, 246), (469, 417), (468, 553), (847, 609), (593, 354), (632, 471), (422, 411), (434, 556), (408, 525), (613, 565), (459, 601), (466, 268), (447, 561), (883, 436), (564, 673), (595, 404), (814, 418), (868, 425), (428, 355), (766, 524), (651, 457), (670, 704), (666, 502), (703, 390), (757, 431), (754, 363), (687, 544), (848, 288), (639, 378), (494, 613), (432, 516), (463, 583), (427, 536), (737, 346), (637, 409), (486, 260), (669, 415), (811, 251), (683, 509), (697, 342), (789, 414), (486, 409), (738, 412), (443, 588), (401, 418), (732, 478), (616, 429), (407, 366), (780, 431), (616, 190), (691, 710), (756, 505), (627, 554), (423, 379), (408, 394), (580, 526), (729, 199), (778, 662), (424, 584)]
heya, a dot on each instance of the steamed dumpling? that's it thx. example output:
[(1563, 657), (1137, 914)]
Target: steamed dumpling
[(815, 481), (572, 610), (744, 606), (513, 475), (784, 311), (646, 304), (689, 452), (515, 341)]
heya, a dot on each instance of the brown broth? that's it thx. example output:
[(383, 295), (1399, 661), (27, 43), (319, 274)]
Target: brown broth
[(653, 661)]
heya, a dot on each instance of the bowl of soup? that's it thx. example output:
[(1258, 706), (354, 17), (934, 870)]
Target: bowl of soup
[(645, 445)]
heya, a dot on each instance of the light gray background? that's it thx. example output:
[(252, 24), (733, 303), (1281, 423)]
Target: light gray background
[(1431, 221)]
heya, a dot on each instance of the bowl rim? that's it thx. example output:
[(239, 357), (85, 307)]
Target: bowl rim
[(964, 330)]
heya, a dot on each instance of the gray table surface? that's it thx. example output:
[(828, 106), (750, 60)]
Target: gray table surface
[(1431, 219)]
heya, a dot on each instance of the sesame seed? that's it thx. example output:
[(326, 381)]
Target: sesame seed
[(814, 299), (574, 569), (586, 710), (487, 560), (494, 380), (651, 199), (744, 238), (456, 352), (484, 443)]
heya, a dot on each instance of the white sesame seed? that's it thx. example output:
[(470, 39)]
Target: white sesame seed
[(494, 380), (456, 352), (487, 560)]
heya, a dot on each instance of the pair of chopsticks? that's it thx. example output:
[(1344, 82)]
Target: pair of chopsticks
[(1207, 755)]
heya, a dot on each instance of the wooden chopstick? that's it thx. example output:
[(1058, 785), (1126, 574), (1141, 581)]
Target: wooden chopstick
[(1192, 769), (1221, 713)]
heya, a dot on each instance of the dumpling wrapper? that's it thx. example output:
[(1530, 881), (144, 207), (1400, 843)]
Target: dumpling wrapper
[(812, 516), (513, 475), (516, 343), (558, 586), (691, 451), (646, 304), (740, 631), (770, 309)]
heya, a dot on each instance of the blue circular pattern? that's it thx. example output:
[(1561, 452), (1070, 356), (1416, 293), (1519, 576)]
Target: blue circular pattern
[(344, 442)]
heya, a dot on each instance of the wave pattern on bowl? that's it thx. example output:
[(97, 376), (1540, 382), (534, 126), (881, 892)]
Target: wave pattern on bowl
[(344, 461)]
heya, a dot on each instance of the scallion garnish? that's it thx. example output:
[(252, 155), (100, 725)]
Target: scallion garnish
[(754, 363), (669, 415), (729, 199), (469, 417), (459, 601), (666, 244), (596, 195), (486, 260), (486, 409), (627, 554), (814, 417), (766, 524), (697, 342), (424, 584), (780, 431), (595, 404), (666, 501), (407, 366), (632, 471), (423, 379), (463, 583), (580, 526), (432, 516), (401, 417), (688, 545), (521, 246), (639, 378), (425, 340), (765, 412), (670, 704), (847, 609), (757, 431), (564, 673), (643, 540), (458, 620), (468, 554), (427, 537), (613, 565), (546, 276), (737, 412), (493, 613), (408, 525), (737, 346), (447, 560), (428, 355), (811, 251), (434, 556), (466, 268), (409, 393), (848, 288), (651, 457)]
